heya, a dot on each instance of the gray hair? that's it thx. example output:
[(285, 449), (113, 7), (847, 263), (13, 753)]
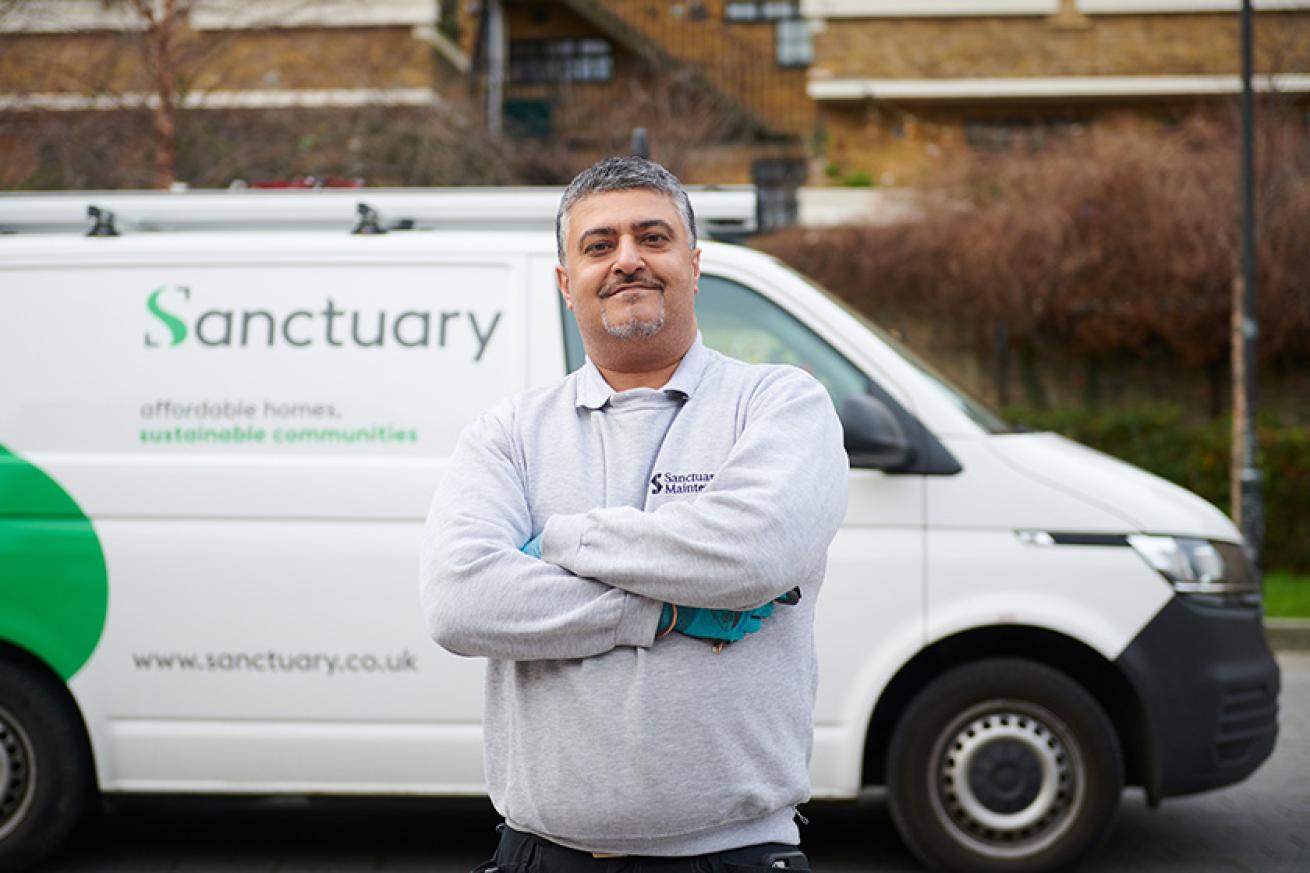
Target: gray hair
[(623, 174)]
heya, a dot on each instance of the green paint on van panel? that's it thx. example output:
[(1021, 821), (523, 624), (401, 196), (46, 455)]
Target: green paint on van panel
[(175, 325), (54, 589)]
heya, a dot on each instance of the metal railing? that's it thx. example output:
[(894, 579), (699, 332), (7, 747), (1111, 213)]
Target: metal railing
[(773, 97)]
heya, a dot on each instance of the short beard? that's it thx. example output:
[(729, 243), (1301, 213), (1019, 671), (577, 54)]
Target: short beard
[(634, 328)]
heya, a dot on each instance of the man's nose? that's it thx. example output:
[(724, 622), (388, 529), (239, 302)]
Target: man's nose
[(627, 255)]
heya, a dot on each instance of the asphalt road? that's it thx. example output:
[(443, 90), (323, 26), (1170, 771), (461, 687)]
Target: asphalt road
[(1262, 826)]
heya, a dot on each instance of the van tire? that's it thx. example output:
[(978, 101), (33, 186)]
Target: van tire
[(1003, 765), (45, 766)]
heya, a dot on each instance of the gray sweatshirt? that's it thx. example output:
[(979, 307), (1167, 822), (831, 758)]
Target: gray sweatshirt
[(723, 489)]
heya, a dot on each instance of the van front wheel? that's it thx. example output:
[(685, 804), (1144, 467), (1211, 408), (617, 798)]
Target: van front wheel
[(45, 778), (1003, 765)]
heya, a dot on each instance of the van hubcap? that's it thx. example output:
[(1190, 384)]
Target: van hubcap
[(1007, 780), (17, 782)]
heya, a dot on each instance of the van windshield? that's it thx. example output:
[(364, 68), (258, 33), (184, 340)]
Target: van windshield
[(975, 409)]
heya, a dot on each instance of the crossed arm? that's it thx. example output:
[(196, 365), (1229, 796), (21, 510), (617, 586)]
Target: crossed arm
[(764, 522), (481, 596)]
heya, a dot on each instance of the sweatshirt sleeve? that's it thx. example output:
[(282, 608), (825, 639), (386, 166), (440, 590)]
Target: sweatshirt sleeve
[(761, 526), (481, 596)]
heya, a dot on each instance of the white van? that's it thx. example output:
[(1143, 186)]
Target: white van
[(220, 431)]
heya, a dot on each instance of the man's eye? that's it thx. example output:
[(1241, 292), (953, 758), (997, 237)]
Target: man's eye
[(596, 248), (656, 238)]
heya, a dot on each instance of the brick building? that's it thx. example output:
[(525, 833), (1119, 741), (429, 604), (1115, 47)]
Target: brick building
[(752, 57), (84, 54), (900, 83), (720, 84), (82, 69), (771, 91)]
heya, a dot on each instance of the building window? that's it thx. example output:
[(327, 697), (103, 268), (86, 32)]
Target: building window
[(794, 46), (762, 10), (561, 60)]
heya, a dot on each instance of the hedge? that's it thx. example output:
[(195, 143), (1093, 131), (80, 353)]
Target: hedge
[(1195, 455)]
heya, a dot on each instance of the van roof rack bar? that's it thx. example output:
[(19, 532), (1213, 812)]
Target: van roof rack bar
[(720, 211)]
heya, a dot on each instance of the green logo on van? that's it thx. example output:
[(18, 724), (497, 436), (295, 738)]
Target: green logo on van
[(54, 588), (175, 325), (328, 327)]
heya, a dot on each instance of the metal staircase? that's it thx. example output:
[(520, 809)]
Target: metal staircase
[(744, 79)]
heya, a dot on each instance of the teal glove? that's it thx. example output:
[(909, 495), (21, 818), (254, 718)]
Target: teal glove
[(532, 548), (720, 625)]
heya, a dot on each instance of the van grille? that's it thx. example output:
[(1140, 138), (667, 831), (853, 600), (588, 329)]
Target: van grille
[(1245, 716)]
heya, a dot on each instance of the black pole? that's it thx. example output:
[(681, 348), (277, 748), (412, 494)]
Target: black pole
[(640, 143), (494, 34), (1252, 515)]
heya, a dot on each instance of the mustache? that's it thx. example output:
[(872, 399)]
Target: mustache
[(645, 280)]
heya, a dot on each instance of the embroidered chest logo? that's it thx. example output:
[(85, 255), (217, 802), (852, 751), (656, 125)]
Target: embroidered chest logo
[(680, 483)]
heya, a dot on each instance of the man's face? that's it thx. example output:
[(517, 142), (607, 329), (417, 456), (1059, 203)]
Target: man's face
[(630, 277)]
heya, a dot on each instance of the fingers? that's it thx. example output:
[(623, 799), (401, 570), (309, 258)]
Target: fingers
[(791, 598)]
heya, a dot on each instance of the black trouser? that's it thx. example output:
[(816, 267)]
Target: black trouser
[(524, 853)]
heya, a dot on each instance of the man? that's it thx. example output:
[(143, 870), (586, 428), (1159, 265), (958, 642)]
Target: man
[(614, 545)]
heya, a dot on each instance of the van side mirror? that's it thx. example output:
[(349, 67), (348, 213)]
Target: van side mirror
[(874, 437)]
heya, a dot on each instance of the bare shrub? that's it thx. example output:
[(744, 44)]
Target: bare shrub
[(677, 112), (445, 143), (1121, 243), (382, 145), (76, 150)]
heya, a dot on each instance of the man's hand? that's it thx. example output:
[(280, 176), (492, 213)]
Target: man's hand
[(719, 625), (532, 548)]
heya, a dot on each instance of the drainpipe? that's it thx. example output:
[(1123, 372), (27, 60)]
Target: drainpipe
[(495, 48)]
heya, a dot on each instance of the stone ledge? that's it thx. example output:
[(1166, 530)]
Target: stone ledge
[(1288, 634)]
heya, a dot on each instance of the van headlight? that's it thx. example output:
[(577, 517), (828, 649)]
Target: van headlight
[(1207, 569)]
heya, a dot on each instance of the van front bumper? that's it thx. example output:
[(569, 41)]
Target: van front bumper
[(1208, 684)]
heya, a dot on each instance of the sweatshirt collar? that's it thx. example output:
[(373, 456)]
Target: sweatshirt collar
[(594, 392)]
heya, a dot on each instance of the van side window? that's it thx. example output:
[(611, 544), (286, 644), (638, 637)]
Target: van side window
[(742, 324)]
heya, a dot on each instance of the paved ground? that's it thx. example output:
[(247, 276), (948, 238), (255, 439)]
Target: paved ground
[(1260, 826)]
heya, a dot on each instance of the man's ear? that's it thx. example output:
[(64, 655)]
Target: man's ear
[(562, 283), (695, 271)]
